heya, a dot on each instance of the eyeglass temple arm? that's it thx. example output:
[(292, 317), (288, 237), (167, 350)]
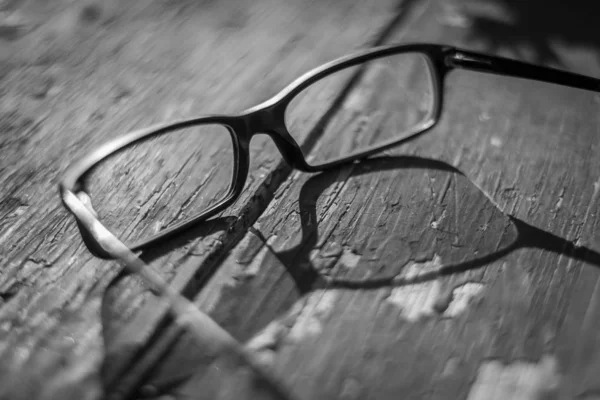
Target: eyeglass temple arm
[(456, 58), (213, 339)]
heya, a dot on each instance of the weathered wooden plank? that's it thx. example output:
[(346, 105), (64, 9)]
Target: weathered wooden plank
[(515, 317), (83, 76)]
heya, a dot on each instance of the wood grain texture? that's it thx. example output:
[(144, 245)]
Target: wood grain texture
[(463, 265), (81, 76)]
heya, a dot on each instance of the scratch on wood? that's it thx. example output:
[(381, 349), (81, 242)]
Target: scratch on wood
[(580, 241), (519, 380), (324, 259), (443, 192)]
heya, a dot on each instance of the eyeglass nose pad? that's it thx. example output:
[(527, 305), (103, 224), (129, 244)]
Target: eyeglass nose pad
[(288, 147)]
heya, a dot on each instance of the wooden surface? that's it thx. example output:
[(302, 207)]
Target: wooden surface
[(463, 265), (141, 64)]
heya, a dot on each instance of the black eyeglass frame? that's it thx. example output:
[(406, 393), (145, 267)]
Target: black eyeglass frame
[(269, 118)]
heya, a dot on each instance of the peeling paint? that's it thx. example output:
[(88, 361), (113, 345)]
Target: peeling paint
[(519, 380), (462, 297), (324, 259), (267, 339), (593, 200), (349, 258), (304, 320), (417, 269), (20, 210), (333, 249), (250, 268), (248, 248), (495, 141), (265, 357), (310, 314), (559, 203), (423, 299), (416, 301)]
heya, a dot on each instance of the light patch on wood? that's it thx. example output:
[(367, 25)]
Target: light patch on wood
[(349, 258), (268, 338), (416, 301), (455, 17), (250, 270), (495, 141), (462, 297), (416, 269), (580, 241), (517, 381), (357, 100), (311, 313), (20, 211), (304, 320), (560, 200), (7, 234), (265, 343), (451, 366), (491, 11), (484, 116), (178, 110)]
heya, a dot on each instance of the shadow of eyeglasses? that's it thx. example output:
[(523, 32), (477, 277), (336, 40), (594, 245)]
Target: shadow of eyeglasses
[(517, 234), (536, 25)]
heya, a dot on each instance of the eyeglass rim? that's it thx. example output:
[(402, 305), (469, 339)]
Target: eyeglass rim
[(440, 60)]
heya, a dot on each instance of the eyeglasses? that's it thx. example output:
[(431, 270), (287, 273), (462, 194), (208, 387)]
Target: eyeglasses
[(158, 181), (153, 183)]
